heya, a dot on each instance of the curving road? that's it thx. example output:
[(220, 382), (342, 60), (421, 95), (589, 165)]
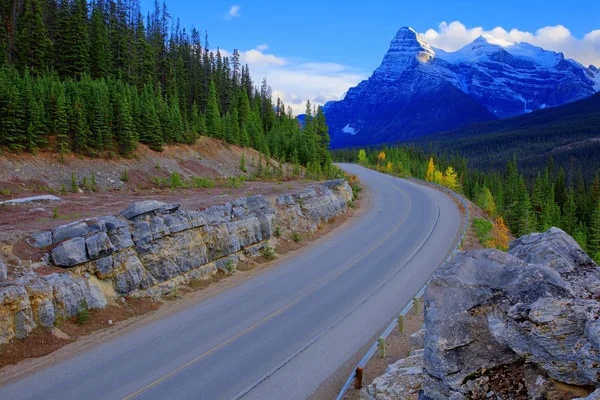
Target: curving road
[(282, 333)]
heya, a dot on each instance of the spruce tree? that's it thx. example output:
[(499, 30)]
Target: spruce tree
[(213, 117), (33, 46), (76, 50), (100, 58)]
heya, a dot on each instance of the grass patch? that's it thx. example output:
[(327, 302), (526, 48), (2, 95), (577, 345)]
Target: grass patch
[(200, 182)]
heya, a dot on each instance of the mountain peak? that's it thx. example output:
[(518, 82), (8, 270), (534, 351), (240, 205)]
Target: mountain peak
[(407, 49)]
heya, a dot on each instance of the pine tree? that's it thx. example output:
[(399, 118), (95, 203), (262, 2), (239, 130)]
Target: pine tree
[(594, 232), (99, 45), (33, 46), (213, 117), (76, 44)]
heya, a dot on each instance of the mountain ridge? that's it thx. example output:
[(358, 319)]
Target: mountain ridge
[(408, 95)]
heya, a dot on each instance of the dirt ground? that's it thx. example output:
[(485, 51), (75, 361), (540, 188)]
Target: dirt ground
[(43, 348), (44, 171)]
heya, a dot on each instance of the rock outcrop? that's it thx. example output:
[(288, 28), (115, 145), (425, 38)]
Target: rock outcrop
[(518, 325), (529, 316), (151, 248)]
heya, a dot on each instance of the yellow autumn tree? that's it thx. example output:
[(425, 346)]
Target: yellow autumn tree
[(437, 177), (486, 202), (499, 237), (381, 157), (450, 179), (362, 156), (389, 166), (430, 171)]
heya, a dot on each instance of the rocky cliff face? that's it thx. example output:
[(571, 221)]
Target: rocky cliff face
[(516, 325), (149, 249), (418, 89)]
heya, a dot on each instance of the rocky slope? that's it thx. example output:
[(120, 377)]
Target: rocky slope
[(516, 325), (418, 89), (150, 249)]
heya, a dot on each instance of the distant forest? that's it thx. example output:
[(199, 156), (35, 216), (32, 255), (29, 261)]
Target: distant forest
[(97, 78), (551, 198), (570, 134)]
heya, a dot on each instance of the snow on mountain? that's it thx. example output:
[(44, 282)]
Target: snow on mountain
[(419, 89)]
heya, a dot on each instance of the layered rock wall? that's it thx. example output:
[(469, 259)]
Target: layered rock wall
[(151, 248)]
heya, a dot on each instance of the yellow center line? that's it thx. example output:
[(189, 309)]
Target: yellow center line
[(284, 308)]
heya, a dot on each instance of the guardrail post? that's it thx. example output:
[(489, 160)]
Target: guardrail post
[(401, 323), (382, 347), (416, 305), (359, 378)]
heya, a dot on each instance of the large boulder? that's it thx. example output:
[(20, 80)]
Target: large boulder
[(141, 208), (70, 231), (70, 253), (486, 309)]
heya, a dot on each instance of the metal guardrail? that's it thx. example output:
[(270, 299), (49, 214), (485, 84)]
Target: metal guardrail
[(412, 304)]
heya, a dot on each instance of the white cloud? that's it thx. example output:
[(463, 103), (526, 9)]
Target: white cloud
[(453, 36), (262, 47), (295, 81), (234, 12)]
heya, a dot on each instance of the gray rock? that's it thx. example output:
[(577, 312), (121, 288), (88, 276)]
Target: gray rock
[(177, 222), (553, 248), (111, 223), (70, 231), (104, 267), (141, 208), (40, 239), (487, 308), (558, 250), (99, 245), (71, 290), (121, 238), (141, 233), (47, 197), (24, 323), (169, 208), (417, 340), (158, 228), (3, 271), (43, 306), (70, 253), (134, 277)]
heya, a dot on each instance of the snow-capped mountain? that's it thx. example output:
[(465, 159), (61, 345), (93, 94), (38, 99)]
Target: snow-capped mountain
[(419, 89)]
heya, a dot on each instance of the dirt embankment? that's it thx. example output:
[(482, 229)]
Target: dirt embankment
[(27, 174)]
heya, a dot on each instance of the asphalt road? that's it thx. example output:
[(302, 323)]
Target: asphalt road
[(282, 333)]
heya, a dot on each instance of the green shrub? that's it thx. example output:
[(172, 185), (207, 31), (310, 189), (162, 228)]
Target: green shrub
[(125, 176), (296, 237), (482, 228), (269, 253), (277, 232), (175, 181), (200, 182), (83, 314), (74, 186)]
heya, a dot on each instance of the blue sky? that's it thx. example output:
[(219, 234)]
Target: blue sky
[(327, 46)]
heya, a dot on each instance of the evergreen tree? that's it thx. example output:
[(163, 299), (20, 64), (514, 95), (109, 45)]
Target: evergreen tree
[(100, 58), (213, 117), (76, 42), (594, 232), (33, 45)]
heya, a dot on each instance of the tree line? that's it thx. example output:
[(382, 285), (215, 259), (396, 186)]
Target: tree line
[(552, 198), (97, 78)]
